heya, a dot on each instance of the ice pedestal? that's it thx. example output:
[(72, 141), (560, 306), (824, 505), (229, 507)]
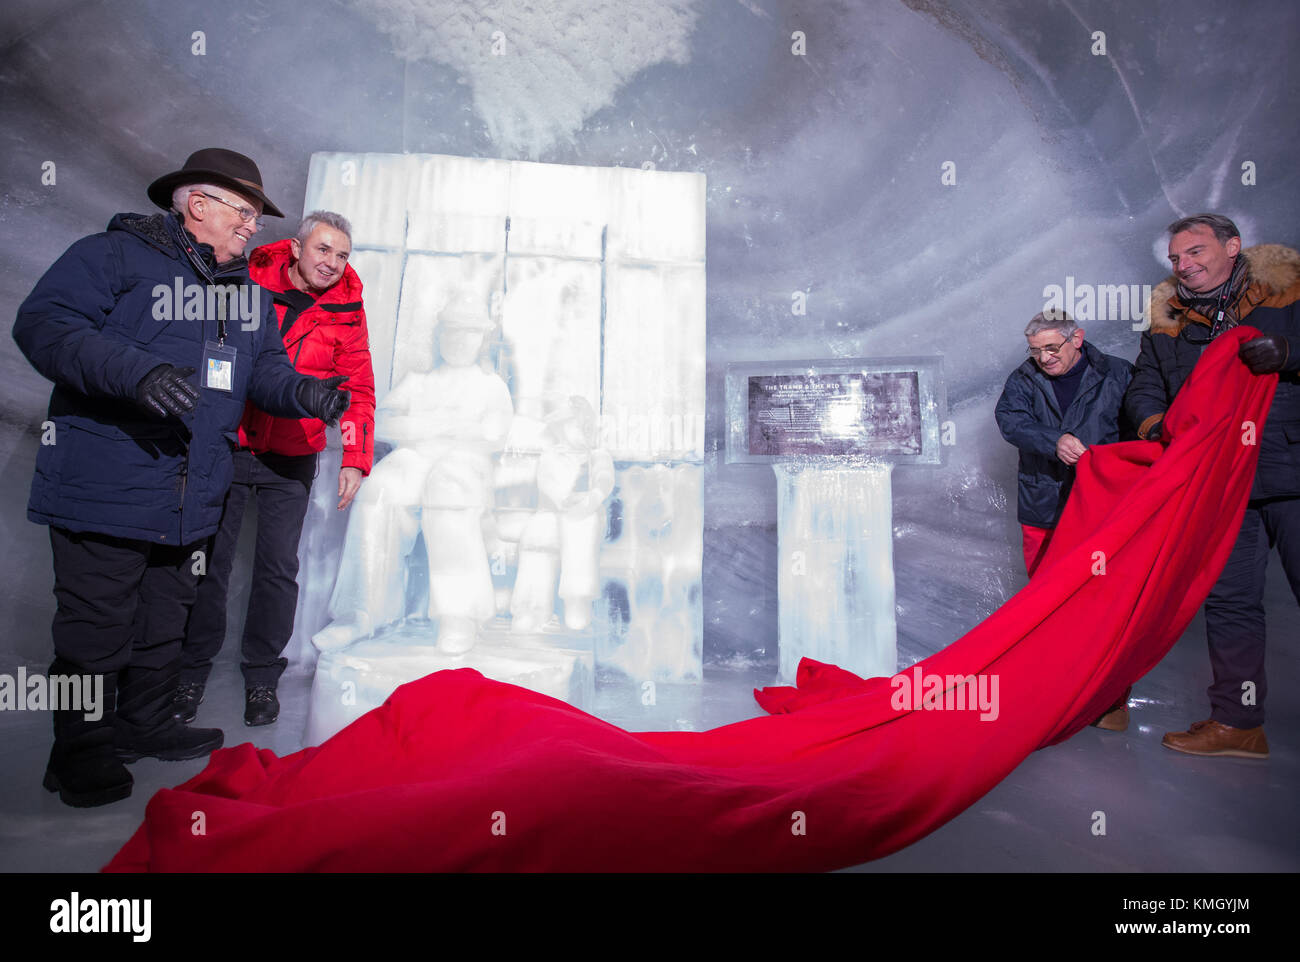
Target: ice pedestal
[(351, 681), (835, 576)]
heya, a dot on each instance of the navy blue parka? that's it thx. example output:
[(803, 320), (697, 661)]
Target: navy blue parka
[(105, 315), (1030, 418)]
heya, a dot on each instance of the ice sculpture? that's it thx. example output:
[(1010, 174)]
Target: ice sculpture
[(573, 534), (562, 539), (832, 431), (445, 424)]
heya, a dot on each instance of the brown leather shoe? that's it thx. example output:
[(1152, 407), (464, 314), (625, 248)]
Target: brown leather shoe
[(1215, 738), (1116, 717), (1115, 720)]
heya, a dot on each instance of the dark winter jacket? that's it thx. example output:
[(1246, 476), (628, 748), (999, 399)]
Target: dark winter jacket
[(1170, 351), (105, 315), (1030, 418), (326, 339)]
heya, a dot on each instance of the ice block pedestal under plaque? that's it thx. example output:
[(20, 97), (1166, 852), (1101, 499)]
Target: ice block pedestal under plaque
[(836, 567), (833, 430), (351, 681)]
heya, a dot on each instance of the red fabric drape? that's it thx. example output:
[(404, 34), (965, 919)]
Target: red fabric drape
[(456, 772)]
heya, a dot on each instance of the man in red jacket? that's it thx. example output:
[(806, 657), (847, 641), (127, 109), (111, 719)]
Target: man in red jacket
[(323, 323)]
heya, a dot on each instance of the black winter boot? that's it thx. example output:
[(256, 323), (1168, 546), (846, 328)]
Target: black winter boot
[(186, 702), (145, 721), (83, 768)]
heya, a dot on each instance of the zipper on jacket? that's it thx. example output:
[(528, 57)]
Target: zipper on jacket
[(180, 508)]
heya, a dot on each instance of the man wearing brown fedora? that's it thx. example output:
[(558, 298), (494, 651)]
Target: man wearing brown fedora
[(154, 337)]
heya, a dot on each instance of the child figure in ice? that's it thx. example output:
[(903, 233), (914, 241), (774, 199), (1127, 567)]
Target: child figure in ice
[(446, 426), (562, 539)]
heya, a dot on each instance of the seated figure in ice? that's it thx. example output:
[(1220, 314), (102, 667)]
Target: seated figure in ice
[(562, 539), (446, 425)]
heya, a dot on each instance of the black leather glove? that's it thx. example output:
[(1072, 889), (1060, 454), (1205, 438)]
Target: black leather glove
[(323, 398), (164, 391), (1266, 354)]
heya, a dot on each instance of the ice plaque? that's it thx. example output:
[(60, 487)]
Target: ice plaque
[(855, 409), (876, 414)]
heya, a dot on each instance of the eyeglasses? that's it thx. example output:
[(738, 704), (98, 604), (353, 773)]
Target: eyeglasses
[(245, 213), (1052, 349)]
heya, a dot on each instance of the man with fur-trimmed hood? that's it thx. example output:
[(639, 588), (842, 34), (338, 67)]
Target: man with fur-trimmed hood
[(1216, 286)]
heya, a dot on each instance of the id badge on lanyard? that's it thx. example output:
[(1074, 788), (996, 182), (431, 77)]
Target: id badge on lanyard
[(218, 366), (219, 360)]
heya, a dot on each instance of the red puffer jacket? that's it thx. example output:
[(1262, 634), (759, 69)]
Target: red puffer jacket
[(326, 339)]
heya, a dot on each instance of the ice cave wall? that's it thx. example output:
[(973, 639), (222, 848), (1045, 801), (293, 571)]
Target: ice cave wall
[(826, 132)]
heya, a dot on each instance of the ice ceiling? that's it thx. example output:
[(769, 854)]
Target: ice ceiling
[(538, 70)]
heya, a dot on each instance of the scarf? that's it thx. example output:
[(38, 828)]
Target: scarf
[(1220, 304)]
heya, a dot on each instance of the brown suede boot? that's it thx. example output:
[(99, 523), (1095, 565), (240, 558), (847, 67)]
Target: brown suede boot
[(1116, 717)]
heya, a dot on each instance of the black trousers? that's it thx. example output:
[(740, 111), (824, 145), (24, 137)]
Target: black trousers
[(281, 485), (121, 602), (1234, 610)]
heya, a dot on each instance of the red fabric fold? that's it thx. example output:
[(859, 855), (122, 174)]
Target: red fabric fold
[(455, 772)]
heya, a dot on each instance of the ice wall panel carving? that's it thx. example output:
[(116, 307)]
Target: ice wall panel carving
[(653, 405), (551, 328)]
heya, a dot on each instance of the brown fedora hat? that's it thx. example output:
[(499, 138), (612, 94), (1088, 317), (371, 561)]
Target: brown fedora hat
[(214, 165)]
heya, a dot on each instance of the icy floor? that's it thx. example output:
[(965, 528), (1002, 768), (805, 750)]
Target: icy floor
[(1165, 812)]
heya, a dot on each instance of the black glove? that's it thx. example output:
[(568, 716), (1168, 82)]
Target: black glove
[(323, 398), (165, 391), (1266, 354)]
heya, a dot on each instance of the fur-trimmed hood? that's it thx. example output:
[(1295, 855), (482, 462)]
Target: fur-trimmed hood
[(1274, 277)]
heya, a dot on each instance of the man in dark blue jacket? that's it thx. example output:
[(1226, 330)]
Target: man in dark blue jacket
[(136, 452), (1216, 286), (1066, 397)]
